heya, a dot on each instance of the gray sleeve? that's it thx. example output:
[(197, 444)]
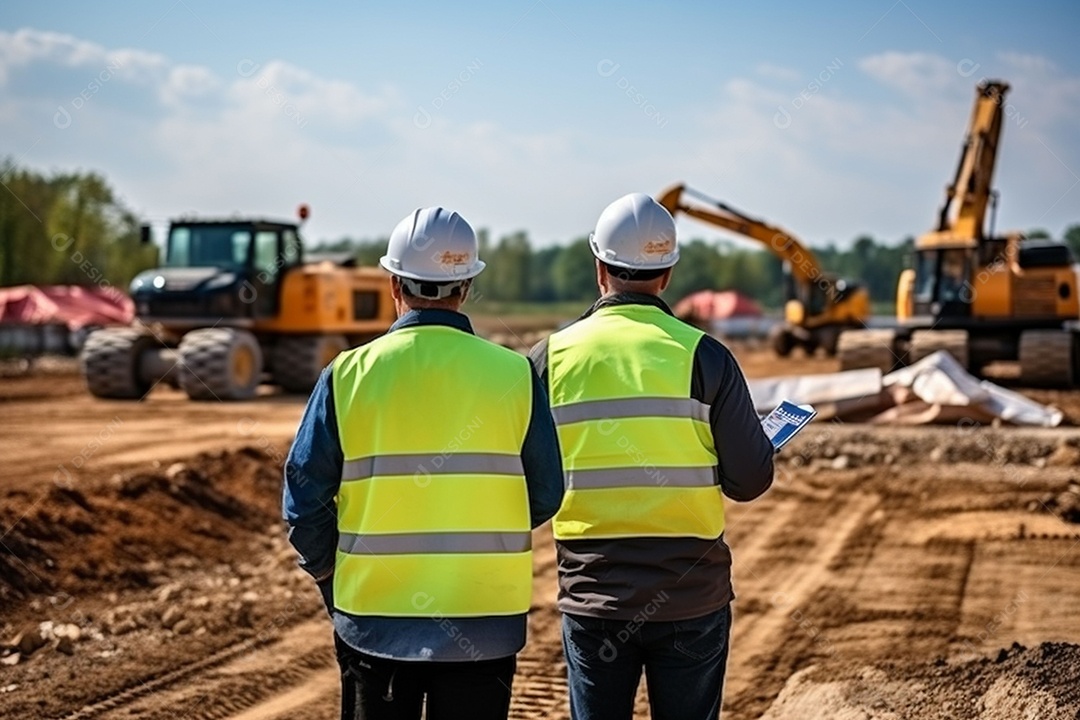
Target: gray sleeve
[(744, 452), (538, 358), (542, 459)]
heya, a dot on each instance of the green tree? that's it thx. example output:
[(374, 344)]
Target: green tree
[(507, 276), (574, 277), (67, 229)]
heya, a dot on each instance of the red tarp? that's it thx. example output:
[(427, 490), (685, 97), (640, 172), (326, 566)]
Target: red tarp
[(75, 307), (713, 305)]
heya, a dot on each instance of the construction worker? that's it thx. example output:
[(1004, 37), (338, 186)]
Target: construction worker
[(423, 460), (656, 425)]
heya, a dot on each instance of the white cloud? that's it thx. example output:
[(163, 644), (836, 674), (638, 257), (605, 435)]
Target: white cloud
[(185, 83), (27, 46), (915, 74)]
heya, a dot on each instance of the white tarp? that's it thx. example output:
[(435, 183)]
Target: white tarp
[(935, 389), (938, 379), (817, 390)]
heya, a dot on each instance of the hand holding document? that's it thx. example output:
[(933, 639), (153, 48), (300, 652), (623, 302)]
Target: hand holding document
[(785, 421)]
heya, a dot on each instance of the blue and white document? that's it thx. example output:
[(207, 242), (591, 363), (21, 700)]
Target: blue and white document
[(785, 422)]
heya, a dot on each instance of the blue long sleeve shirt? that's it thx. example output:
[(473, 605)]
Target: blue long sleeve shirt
[(312, 479)]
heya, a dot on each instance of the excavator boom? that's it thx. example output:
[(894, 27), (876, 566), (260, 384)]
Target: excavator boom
[(803, 263), (963, 216)]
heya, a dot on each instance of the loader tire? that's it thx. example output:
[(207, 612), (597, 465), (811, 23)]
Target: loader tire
[(1047, 358), (110, 363), (297, 361), (220, 364)]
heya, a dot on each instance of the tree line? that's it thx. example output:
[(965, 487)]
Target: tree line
[(71, 228), (66, 229), (518, 272)]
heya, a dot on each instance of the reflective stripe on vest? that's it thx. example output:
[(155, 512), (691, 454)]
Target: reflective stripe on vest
[(638, 451), (631, 407), (420, 543), (460, 463), (433, 512)]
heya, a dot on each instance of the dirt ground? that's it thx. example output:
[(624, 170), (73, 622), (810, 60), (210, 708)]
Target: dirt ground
[(890, 572)]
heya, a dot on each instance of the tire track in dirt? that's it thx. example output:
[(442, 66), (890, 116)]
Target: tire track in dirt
[(539, 687), (757, 637), (236, 678)]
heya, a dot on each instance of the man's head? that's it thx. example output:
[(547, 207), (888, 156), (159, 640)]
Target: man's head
[(634, 245), (432, 258)]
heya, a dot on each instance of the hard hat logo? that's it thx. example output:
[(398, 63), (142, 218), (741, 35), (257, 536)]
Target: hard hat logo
[(453, 258), (654, 247)]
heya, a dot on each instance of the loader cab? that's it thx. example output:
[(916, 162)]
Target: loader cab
[(221, 270)]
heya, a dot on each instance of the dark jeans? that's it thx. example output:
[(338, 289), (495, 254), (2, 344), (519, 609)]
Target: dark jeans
[(684, 666), (375, 688)]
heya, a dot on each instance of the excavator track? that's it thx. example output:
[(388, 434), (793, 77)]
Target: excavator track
[(928, 342), (868, 349), (1048, 358)]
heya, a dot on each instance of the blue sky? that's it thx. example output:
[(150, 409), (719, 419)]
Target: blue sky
[(832, 119)]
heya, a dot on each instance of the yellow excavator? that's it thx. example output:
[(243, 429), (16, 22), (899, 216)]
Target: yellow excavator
[(233, 305), (983, 298), (818, 305)]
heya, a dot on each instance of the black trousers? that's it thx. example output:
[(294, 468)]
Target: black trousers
[(375, 688)]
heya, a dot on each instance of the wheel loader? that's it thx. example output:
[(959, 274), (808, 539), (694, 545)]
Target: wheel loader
[(235, 304), (982, 297)]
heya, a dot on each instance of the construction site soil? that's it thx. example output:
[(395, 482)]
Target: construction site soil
[(891, 572)]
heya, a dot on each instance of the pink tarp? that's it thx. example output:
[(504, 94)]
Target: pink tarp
[(75, 307), (713, 305)]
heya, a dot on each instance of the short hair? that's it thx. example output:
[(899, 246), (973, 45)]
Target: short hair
[(432, 290), (633, 274)]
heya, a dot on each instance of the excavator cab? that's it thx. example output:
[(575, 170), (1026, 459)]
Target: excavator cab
[(942, 287)]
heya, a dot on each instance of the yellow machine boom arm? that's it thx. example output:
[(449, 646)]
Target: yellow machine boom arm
[(802, 262)]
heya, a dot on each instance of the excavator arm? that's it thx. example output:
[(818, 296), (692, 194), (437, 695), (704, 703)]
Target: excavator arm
[(967, 198), (802, 262)]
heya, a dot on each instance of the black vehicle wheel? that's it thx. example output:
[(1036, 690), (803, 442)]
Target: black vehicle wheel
[(220, 364), (782, 341), (110, 363), (296, 361)]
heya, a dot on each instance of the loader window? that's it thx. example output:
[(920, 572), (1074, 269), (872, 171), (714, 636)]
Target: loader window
[(266, 253), (290, 251), (207, 246)]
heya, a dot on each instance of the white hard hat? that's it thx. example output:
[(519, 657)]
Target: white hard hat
[(433, 245), (635, 232)]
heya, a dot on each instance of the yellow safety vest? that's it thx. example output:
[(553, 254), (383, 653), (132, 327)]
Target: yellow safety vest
[(433, 511), (638, 451)]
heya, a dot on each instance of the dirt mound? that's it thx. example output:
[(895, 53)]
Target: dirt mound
[(127, 578), (1041, 682), (114, 533)]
